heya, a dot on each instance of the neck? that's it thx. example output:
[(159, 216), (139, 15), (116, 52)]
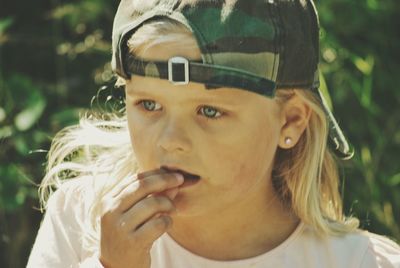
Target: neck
[(257, 229)]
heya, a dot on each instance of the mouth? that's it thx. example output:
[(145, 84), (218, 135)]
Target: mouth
[(189, 178)]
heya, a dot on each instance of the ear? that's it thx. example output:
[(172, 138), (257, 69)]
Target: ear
[(295, 117)]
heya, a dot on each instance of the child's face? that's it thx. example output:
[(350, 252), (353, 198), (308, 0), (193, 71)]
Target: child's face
[(227, 136)]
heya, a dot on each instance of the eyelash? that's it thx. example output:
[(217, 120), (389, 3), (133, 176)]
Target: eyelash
[(140, 103)]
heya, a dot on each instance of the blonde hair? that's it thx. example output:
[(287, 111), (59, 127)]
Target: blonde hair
[(305, 176)]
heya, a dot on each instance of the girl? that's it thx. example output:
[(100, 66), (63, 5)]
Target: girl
[(221, 158)]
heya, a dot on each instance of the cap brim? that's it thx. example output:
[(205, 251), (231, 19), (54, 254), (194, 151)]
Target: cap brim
[(342, 148)]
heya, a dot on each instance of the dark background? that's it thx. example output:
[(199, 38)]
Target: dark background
[(54, 57)]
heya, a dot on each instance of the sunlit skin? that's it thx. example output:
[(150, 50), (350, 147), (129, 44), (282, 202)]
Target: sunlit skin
[(227, 136)]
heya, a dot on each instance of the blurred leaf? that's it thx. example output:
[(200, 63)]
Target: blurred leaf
[(13, 186), (5, 24), (62, 11), (21, 145), (77, 13), (2, 114), (366, 93), (65, 117), (40, 136), (21, 92), (29, 116), (395, 180), (6, 132), (364, 65), (20, 198), (373, 4)]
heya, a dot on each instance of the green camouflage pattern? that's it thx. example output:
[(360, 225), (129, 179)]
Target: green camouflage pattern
[(230, 34)]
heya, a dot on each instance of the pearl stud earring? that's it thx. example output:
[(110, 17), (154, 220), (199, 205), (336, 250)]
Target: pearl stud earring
[(288, 140)]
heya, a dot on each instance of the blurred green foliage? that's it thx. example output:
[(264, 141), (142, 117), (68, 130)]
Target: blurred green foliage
[(360, 59), (54, 55)]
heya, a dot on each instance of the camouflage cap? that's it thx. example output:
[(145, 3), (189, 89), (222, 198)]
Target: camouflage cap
[(257, 45)]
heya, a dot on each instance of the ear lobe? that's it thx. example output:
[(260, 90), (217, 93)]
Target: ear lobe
[(296, 114)]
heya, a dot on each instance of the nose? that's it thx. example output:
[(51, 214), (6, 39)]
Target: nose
[(174, 136)]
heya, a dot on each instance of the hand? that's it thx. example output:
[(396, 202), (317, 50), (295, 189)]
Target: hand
[(135, 214)]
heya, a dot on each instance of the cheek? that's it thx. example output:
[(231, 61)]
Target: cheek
[(134, 127), (243, 159), (141, 138)]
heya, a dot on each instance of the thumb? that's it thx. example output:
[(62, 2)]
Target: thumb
[(170, 193)]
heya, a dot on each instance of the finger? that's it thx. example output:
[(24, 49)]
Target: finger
[(170, 193), (143, 187), (144, 210), (133, 177), (153, 229), (123, 184), (142, 175)]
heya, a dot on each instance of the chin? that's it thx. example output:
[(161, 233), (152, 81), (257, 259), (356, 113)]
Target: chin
[(188, 207)]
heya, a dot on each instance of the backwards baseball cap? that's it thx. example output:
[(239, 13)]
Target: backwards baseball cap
[(259, 46)]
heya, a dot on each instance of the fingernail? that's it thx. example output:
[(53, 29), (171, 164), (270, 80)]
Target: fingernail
[(179, 177)]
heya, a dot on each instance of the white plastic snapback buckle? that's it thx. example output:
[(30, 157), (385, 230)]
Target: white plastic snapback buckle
[(183, 64)]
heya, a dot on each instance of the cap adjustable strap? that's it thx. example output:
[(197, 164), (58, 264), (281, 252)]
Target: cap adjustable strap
[(337, 139), (181, 71)]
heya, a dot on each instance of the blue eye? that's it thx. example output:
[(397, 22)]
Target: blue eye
[(149, 105), (210, 112)]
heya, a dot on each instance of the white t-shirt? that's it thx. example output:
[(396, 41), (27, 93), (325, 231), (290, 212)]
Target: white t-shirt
[(59, 244)]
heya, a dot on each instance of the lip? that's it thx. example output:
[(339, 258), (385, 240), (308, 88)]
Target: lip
[(175, 168), (190, 177)]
